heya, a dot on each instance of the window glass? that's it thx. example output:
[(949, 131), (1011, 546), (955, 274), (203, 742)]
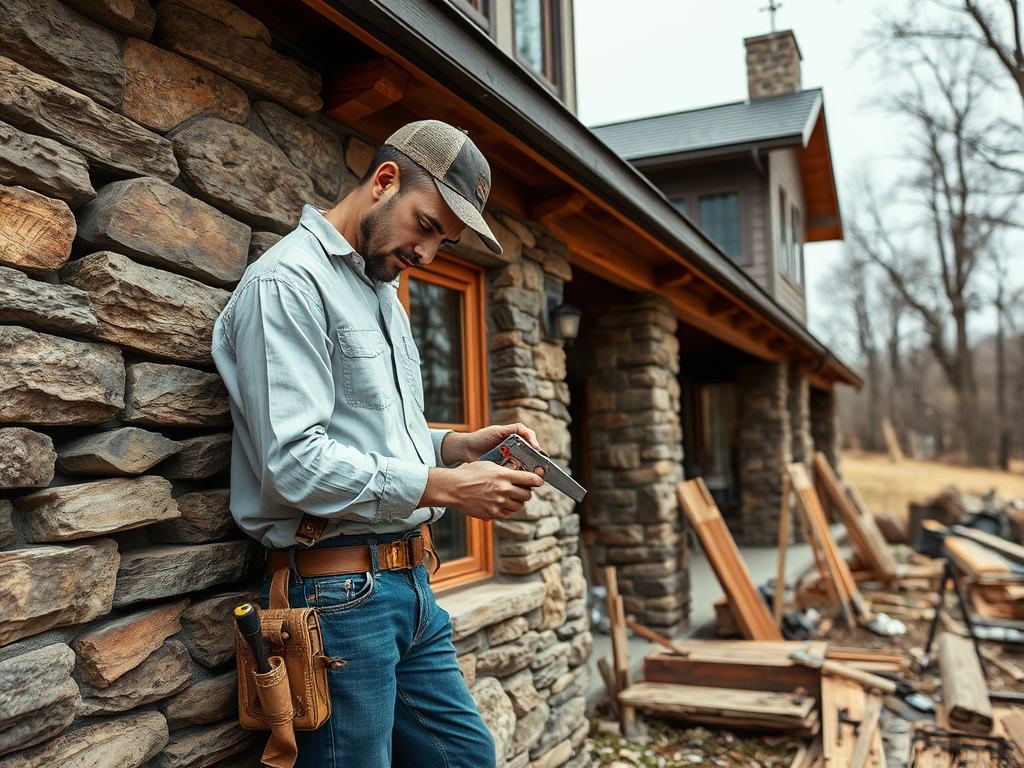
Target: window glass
[(435, 313), (798, 248), (531, 34), (680, 205), (720, 220), (783, 234)]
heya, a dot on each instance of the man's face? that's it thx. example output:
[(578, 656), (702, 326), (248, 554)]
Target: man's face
[(406, 230)]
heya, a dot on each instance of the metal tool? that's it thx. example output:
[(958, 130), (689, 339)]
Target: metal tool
[(845, 719), (248, 622)]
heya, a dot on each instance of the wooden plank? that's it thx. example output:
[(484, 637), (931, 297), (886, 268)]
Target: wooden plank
[(649, 634), (751, 613), (1009, 668), (867, 734), (975, 559), (1013, 724), (725, 620), (620, 649), (964, 693), (1012, 552), (839, 740), (867, 541), (780, 572), (604, 667)]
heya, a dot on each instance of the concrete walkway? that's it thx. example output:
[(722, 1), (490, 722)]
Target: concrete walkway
[(704, 590)]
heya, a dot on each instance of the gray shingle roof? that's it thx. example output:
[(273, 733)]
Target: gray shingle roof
[(774, 119)]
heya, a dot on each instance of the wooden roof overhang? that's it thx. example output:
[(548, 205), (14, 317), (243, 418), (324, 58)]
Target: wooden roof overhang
[(546, 166)]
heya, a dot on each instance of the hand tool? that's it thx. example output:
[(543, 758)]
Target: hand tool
[(248, 622)]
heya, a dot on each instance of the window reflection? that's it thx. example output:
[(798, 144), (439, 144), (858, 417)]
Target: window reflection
[(530, 34), (435, 313)]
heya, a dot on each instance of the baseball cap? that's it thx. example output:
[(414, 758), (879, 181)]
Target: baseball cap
[(460, 171)]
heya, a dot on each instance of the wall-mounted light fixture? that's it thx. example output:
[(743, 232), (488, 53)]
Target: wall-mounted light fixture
[(565, 320)]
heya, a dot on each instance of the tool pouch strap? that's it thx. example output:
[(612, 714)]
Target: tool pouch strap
[(276, 700)]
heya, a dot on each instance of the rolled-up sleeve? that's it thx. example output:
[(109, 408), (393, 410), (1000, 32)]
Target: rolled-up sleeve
[(285, 390)]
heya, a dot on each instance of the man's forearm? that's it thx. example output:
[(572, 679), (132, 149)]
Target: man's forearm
[(453, 449)]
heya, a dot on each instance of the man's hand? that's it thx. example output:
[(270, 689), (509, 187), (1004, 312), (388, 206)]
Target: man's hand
[(480, 489), (470, 446)]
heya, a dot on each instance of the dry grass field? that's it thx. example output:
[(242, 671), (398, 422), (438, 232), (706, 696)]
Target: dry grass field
[(885, 485)]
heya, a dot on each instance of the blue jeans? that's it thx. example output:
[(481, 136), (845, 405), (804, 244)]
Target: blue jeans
[(401, 700)]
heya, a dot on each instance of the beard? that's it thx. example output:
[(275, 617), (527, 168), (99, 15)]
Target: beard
[(375, 229)]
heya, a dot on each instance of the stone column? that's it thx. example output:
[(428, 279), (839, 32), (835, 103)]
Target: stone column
[(636, 450), (825, 425), (799, 396), (765, 448)]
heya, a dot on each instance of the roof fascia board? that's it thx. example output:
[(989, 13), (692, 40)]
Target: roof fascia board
[(812, 118), (739, 150)]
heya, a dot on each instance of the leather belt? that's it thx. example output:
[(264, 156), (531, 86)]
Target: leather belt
[(331, 561)]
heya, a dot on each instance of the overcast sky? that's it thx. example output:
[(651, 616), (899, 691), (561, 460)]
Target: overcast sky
[(647, 57)]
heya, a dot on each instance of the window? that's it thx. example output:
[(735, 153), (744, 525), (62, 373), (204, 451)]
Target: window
[(784, 241), (720, 220), (537, 32), (680, 205), (798, 248), (478, 10), (445, 306)]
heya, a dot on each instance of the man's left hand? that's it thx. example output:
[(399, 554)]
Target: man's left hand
[(470, 446)]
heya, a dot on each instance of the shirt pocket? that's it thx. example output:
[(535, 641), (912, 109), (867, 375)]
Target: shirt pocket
[(413, 370), (366, 368)]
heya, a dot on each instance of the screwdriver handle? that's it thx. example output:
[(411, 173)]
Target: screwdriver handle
[(248, 622)]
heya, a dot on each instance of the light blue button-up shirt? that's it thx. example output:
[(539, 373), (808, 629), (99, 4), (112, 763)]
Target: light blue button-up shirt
[(326, 395)]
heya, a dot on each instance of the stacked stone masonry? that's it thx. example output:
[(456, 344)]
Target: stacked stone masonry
[(773, 64), (766, 447), (147, 155), (825, 425), (636, 451)]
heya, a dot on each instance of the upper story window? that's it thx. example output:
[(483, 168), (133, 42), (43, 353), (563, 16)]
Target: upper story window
[(537, 35), (784, 239), (680, 205), (720, 220), (478, 10), (798, 248)]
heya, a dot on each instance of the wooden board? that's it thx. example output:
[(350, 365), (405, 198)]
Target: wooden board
[(749, 609), (835, 568), (974, 559), (620, 649), (964, 691), (838, 741), (1012, 552), (867, 541), (1013, 724), (738, 664)]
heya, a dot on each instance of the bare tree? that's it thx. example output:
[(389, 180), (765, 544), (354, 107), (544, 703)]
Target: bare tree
[(958, 202)]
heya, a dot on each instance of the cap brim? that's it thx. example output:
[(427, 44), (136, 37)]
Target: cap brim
[(468, 215)]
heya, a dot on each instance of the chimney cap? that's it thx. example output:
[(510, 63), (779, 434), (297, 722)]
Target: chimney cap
[(747, 41)]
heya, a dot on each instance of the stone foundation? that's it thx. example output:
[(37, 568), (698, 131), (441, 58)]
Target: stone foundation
[(636, 454), (825, 426), (765, 448)]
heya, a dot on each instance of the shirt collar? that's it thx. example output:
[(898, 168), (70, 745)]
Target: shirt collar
[(335, 245)]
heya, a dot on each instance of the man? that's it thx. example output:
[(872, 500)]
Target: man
[(324, 382)]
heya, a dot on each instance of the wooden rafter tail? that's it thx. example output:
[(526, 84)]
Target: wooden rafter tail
[(752, 615)]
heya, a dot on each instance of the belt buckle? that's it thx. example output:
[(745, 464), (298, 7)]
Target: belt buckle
[(396, 555)]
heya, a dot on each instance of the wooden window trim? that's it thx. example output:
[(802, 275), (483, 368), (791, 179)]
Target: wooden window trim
[(469, 281), (553, 46), (479, 11)]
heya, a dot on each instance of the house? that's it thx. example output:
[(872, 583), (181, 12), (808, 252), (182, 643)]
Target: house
[(756, 176), (149, 154)]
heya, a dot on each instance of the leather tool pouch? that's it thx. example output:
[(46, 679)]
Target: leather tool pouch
[(293, 696)]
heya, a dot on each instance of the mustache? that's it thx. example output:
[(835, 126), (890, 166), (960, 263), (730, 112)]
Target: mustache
[(410, 257)]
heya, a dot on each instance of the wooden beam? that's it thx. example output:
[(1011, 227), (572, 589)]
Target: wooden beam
[(720, 305), (359, 90), (672, 277), (548, 207)]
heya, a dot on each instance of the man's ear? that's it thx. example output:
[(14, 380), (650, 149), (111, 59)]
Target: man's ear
[(386, 177)]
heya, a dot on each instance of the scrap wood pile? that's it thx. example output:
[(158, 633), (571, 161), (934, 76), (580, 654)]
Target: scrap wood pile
[(829, 696)]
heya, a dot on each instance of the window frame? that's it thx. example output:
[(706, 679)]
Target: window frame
[(783, 239), (468, 280), (738, 258), (479, 11), (553, 45), (797, 250)]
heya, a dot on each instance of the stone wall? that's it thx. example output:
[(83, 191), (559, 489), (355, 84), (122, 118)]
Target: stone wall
[(765, 448), (147, 155), (825, 425), (773, 64), (636, 452)]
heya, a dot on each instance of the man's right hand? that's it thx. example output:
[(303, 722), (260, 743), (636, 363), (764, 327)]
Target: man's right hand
[(480, 489)]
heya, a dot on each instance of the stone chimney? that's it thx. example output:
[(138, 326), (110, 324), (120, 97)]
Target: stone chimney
[(773, 64)]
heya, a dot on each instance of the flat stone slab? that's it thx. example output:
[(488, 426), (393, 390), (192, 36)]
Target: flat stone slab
[(49, 380), (151, 573), (202, 747), (52, 586), (313, 148), (204, 702), (125, 451), (228, 41), (48, 307), (175, 396), (44, 165), (235, 170), (479, 607), (207, 625), (160, 225), (116, 647), (38, 698), (165, 672), (51, 39), (163, 89), (148, 309), (111, 142), (135, 18), (26, 458), (205, 516), (97, 508), (199, 458), (122, 742), (36, 232)]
